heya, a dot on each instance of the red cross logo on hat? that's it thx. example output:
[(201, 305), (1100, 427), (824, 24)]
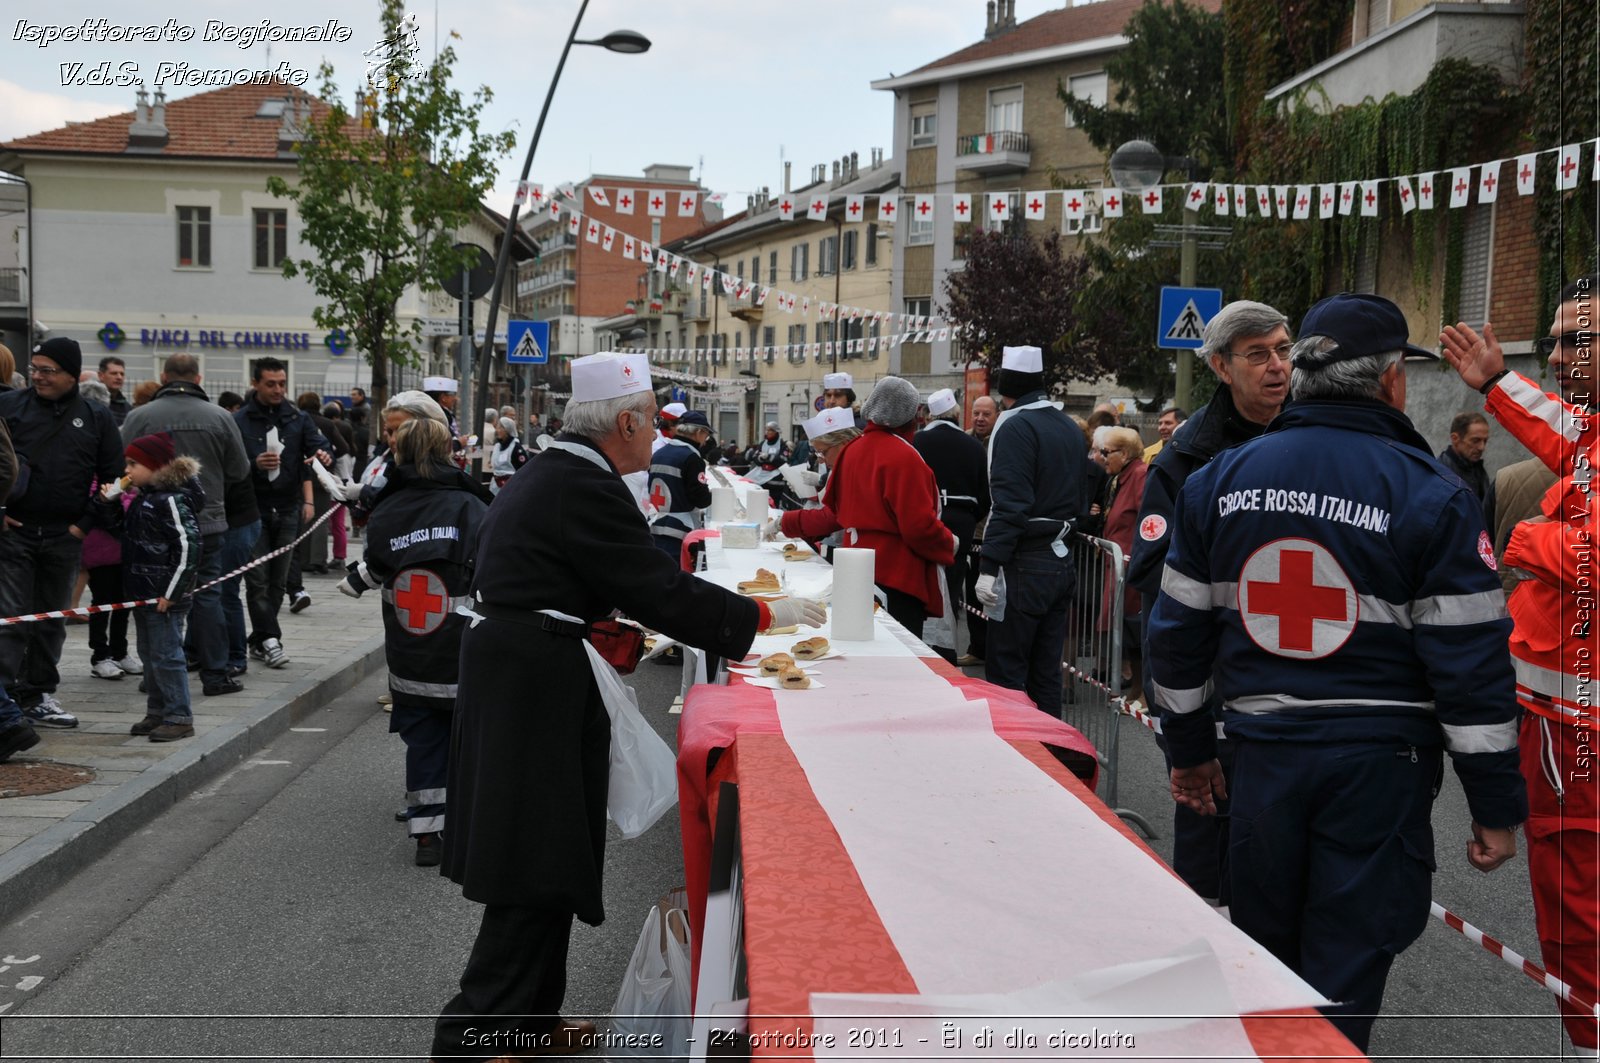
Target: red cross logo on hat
[(627, 371), (420, 601), (1296, 601)]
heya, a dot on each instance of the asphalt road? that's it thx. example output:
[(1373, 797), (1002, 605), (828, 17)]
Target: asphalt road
[(277, 914)]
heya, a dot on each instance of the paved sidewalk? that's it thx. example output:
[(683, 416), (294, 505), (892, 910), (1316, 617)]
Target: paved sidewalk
[(332, 645)]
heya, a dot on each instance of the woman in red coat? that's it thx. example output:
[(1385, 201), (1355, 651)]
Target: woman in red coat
[(1123, 454), (882, 494)]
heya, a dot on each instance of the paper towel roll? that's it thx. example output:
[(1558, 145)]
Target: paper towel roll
[(852, 594), (724, 505)]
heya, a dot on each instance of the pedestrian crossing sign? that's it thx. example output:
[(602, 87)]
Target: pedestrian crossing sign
[(527, 342), (1184, 313)]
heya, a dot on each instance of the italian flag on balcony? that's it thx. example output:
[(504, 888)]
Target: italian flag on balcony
[(983, 144)]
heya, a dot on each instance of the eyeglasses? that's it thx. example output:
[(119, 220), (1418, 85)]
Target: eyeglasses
[(1572, 341), (1104, 453), (1259, 356), (44, 370)]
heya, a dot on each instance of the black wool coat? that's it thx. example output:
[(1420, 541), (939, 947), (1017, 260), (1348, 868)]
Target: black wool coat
[(530, 745)]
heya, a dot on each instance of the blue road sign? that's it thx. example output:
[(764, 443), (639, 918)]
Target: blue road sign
[(527, 342), (1184, 313)]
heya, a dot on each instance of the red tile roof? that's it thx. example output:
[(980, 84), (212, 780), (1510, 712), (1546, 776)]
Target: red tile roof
[(217, 124), (1067, 25)]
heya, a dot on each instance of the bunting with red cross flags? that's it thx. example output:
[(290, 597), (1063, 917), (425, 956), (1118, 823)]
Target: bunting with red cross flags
[(688, 204), (855, 207), (598, 194), (629, 246), (1302, 201), (1280, 197), (886, 208), (1221, 199), (574, 223), (922, 208), (1195, 197), (624, 201), (655, 203), (1460, 186), (786, 208), (1241, 200), (1150, 200), (1264, 201), (1072, 205), (961, 206), (999, 206), (1567, 168), (1033, 205), (1408, 202), (1295, 600), (1111, 202), (1425, 191), (1489, 181), (592, 232), (1327, 199), (1347, 197), (608, 239), (1369, 199), (817, 207), (1527, 168)]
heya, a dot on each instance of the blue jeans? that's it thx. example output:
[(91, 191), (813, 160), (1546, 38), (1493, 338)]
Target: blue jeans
[(166, 676), (1024, 650), (237, 546), (37, 569)]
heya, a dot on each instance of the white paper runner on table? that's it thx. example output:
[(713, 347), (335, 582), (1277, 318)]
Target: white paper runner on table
[(896, 763)]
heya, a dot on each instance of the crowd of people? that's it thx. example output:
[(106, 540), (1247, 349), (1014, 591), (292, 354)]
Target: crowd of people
[(1315, 605)]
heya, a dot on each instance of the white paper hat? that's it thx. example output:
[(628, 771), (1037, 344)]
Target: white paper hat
[(438, 383), (830, 420), (838, 381), (674, 410), (1022, 359), (941, 401), (609, 376)]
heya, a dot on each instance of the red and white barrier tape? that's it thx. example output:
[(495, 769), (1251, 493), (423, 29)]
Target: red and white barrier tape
[(90, 610), (1526, 966)]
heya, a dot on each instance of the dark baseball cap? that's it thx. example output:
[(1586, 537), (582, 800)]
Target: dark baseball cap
[(1362, 324), (693, 419)]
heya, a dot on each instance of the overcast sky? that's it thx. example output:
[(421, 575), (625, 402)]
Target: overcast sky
[(730, 89)]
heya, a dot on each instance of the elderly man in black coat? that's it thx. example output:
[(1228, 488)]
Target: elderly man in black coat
[(961, 469), (564, 545)]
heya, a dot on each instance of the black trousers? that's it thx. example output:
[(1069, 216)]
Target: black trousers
[(905, 608), (512, 989)]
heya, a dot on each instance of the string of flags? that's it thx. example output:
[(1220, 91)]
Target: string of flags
[(1452, 188), (819, 351), (688, 273)]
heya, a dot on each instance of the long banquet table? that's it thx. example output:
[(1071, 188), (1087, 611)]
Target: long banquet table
[(918, 853)]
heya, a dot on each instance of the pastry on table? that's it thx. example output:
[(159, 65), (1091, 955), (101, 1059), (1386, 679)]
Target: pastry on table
[(775, 663), (796, 552), (792, 678), (810, 649), (765, 582)]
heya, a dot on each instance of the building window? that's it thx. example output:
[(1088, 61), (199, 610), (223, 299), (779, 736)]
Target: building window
[(920, 307), (920, 228), (1090, 87), (1089, 223), (799, 262), (769, 339), (827, 256), (272, 238), (194, 236), (872, 243), (772, 268), (1005, 110), (797, 344), (922, 128), (847, 256)]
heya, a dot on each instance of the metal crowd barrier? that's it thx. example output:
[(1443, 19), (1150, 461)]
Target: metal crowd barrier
[(1092, 659)]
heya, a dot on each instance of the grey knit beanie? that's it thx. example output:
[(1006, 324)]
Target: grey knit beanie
[(893, 402)]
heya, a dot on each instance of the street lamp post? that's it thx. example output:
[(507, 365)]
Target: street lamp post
[(626, 42), (1138, 165)]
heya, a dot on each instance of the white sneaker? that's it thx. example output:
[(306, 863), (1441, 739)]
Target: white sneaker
[(131, 665), (272, 653), (105, 669), (49, 713)]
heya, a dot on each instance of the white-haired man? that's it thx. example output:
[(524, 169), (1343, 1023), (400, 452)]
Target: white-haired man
[(563, 545)]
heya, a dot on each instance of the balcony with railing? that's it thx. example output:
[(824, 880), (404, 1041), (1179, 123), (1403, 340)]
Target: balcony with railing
[(1004, 151), (543, 282)]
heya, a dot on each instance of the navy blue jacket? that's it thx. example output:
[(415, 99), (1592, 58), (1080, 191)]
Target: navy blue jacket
[(300, 440), (677, 486), (1335, 583), (159, 532), (82, 447), (1036, 461)]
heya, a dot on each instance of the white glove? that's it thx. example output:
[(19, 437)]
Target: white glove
[(346, 589), (986, 592), (811, 479), (773, 529), (789, 612)]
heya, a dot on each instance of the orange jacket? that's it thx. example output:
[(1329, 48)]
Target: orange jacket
[(1554, 645)]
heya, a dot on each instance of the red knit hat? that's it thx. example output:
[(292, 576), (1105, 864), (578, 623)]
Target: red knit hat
[(152, 451)]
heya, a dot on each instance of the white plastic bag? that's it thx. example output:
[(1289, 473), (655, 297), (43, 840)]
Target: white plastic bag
[(651, 1017), (644, 773)]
